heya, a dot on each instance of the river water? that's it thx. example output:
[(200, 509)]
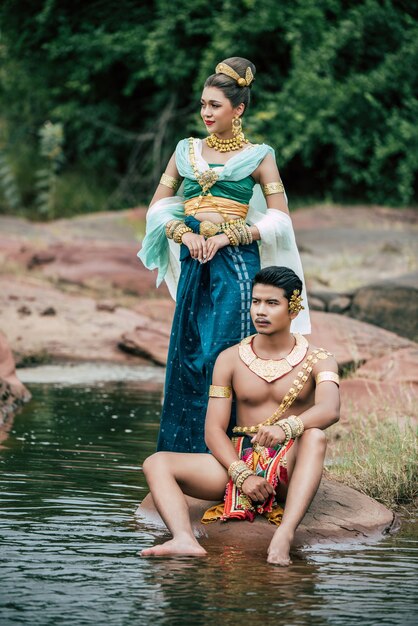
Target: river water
[(70, 483)]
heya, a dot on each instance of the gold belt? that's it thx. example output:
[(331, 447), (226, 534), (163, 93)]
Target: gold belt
[(218, 204), (210, 229)]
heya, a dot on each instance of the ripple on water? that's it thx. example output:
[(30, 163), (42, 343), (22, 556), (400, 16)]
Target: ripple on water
[(70, 485)]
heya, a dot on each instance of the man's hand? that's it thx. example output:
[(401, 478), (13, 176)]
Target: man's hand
[(197, 246), (269, 436), (257, 488)]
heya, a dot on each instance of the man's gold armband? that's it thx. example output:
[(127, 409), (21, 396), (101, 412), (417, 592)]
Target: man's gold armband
[(216, 391), (327, 376), (271, 188), (170, 181)]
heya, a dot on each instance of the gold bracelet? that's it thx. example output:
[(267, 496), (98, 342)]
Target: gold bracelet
[(216, 391), (270, 188), (233, 241), (243, 477), (170, 227), (327, 376), (170, 181), (234, 467), (179, 231), (285, 426)]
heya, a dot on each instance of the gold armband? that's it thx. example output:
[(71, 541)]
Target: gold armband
[(271, 188), (170, 181), (325, 376), (215, 391)]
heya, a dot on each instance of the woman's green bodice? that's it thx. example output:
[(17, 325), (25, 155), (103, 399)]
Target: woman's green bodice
[(239, 190)]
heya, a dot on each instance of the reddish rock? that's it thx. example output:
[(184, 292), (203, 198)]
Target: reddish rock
[(151, 343), (352, 341), (12, 392), (337, 514), (77, 332), (399, 367)]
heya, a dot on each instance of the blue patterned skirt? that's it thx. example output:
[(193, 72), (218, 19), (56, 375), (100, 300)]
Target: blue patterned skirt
[(212, 314)]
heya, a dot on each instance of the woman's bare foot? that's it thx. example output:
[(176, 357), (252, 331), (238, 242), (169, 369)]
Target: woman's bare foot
[(279, 548), (176, 547)]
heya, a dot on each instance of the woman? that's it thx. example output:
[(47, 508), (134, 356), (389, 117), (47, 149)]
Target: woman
[(205, 245)]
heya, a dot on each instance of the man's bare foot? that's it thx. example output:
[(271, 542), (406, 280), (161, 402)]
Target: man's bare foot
[(279, 548), (176, 547)]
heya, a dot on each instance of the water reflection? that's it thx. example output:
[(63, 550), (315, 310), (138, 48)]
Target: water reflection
[(70, 485)]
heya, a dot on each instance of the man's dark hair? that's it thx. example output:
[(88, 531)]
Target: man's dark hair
[(281, 277)]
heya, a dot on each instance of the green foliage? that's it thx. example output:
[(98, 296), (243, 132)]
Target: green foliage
[(335, 91), (51, 139), (8, 183)]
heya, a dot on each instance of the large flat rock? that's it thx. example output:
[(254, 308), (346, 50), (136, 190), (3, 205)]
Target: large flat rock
[(337, 514)]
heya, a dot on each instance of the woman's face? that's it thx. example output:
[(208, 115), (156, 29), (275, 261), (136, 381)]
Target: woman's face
[(217, 111)]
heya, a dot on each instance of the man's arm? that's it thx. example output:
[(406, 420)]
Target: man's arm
[(219, 412)]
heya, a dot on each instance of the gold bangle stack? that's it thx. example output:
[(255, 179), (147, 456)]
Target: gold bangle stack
[(179, 231), (292, 427), (170, 181), (238, 233), (286, 428), (239, 471), (171, 226)]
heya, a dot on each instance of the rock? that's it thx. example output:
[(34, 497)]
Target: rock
[(337, 514), (106, 306), (364, 397), (12, 392), (399, 367), (78, 332), (24, 310), (316, 304), (49, 311), (390, 304), (352, 341), (39, 258), (339, 304), (151, 343)]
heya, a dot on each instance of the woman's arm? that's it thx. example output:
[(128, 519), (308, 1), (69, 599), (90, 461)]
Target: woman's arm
[(164, 190), (267, 172)]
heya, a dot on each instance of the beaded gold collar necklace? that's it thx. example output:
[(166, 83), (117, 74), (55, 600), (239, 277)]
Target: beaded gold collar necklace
[(269, 369)]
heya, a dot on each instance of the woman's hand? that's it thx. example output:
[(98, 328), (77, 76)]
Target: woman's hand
[(197, 245), (216, 243), (257, 488), (269, 436)]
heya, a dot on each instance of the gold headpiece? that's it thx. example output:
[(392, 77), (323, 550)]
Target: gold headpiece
[(295, 302), (223, 68)]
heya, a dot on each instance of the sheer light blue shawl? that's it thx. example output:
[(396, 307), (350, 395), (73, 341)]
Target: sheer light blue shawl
[(277, 246)]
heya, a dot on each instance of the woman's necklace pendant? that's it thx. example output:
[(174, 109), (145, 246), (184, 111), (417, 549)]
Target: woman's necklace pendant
[(270, 369)]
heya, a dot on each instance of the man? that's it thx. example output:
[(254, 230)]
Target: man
[(286, 393)]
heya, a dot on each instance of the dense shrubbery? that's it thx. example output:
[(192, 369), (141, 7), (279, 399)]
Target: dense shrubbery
[(335, 93)]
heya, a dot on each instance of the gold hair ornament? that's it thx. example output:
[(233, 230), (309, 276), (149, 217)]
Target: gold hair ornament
[(295, 303), (223, 68)]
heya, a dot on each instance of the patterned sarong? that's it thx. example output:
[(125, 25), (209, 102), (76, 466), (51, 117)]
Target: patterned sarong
[(212, 314), (237, 505)]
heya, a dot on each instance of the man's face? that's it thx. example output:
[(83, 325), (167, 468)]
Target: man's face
[(270, 309)]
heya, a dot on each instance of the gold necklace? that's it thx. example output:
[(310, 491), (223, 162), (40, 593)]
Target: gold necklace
[(270, 369), (226, 145), (297, 386)]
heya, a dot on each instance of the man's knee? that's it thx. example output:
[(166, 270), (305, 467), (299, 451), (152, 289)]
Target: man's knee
[(315, 437), (156, 461)]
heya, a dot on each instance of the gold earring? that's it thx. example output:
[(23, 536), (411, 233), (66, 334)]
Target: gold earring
[(236, 126)]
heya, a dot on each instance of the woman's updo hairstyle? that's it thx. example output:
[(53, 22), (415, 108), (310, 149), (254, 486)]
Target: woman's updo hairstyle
[(236, 83)]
